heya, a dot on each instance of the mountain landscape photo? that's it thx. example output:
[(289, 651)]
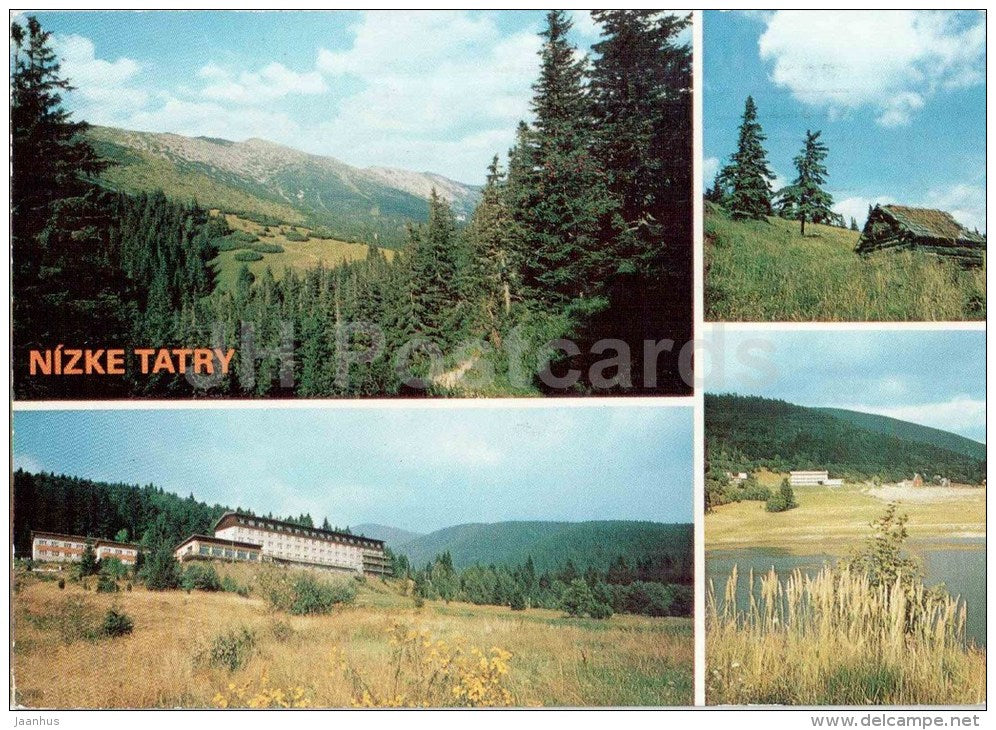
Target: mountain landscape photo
[(361, 218)]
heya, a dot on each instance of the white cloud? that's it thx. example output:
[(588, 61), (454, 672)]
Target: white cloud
[(856, 206), (212, 119), (967, 203), (962, 414), (710, 166), (274, 81), (585, 25), (28, 463), (889, 61), (103, 88)]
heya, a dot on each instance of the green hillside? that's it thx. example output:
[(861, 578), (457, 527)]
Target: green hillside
[(746, 433), (552, 544), (766, 271), (260, 178), (395, 537), (911, 432)]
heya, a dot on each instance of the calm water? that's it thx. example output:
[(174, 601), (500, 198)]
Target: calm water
[(959, 564)]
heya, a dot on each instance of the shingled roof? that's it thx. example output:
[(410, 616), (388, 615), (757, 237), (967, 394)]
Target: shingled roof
[(930, 223)]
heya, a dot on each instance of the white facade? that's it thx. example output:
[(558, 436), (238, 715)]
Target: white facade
[(808, 478), (121, 551), (53, 548), (281, 541)]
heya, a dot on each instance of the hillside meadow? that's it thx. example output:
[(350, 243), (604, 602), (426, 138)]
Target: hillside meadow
[(765, 271), (297, 254), (833, 520), (385, 649)]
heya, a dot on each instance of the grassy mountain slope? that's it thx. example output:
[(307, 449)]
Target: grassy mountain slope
[(260, 177), (766, 271), (911, 432), (750, 432), (551, 544)]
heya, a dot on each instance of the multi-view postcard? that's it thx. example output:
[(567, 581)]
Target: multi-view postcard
[(499, 359), (355, 204)]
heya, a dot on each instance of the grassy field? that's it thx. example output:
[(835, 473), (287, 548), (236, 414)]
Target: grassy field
[(839, 639), (832, 520), (381, 650), (765, 271), (298, 255)]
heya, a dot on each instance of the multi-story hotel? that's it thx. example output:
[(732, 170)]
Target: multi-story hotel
[(54, 547), (126, 552), (261, 538)]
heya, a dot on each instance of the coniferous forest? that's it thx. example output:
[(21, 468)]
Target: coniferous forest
[(583, 233)]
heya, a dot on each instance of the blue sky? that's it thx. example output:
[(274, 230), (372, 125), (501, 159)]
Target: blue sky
[(415, 468), (931, 377), (438, 91), (898, 95)]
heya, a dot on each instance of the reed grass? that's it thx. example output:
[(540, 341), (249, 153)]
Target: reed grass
[(837, 639)]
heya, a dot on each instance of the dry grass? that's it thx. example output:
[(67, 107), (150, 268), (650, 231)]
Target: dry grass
[(330, 661), (833, 520), (835, 639)]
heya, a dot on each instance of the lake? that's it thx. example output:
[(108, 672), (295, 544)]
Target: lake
[(958, 563)]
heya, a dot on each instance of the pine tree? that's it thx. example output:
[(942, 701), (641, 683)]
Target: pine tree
[(562, 203), (854, 224), (747, 174), (434, 261), (805, 200)]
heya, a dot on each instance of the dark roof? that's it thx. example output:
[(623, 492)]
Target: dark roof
[(294, 525), (219, 541), (62, 535), (930, 223), (132, 545)]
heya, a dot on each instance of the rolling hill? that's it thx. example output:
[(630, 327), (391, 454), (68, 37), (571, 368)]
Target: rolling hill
[(552, 544), (371, 205), (395, 537), (745, 432)]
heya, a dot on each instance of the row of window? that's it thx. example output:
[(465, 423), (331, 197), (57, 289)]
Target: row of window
[(57, 543), (228, 553), (304, 531)]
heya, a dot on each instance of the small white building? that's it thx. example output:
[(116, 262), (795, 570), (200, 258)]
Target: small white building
[(814, 478)]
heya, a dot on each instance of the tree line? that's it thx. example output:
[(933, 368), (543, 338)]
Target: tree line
[(147, 514), (584, 233), (651, 586)]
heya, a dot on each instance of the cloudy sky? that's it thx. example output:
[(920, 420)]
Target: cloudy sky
[(930, 377), (429, 91), (418, 468), (899, 97)]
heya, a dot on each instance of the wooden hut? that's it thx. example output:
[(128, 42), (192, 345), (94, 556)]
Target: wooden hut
[(898, 228)]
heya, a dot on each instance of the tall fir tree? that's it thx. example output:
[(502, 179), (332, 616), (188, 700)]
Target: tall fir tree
[(564, 209), (435, 289), (805, 199), (748, 174)]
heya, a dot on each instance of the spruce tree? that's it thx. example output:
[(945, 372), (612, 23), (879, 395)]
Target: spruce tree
[(854, 224), (434, 262), (805, 200), (747, 174), (563, 205)]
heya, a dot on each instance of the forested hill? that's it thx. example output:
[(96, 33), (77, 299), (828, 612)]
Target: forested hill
[(744, 433), (551, 544), (911, 432), (259, 177)]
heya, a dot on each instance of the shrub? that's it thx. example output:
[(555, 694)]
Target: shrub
[(113, 567), (89, 565), (248, 256), (201, 577), (518, 601), (312, 596), (62, 584), (161, 572), (296, 236), (281, 631), (267, 248), (106, 584), (117, 623), (231, 649)]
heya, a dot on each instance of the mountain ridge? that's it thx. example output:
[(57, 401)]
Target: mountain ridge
[(257, 176)]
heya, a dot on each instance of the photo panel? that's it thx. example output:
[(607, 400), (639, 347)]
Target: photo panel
[(353, 557)]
